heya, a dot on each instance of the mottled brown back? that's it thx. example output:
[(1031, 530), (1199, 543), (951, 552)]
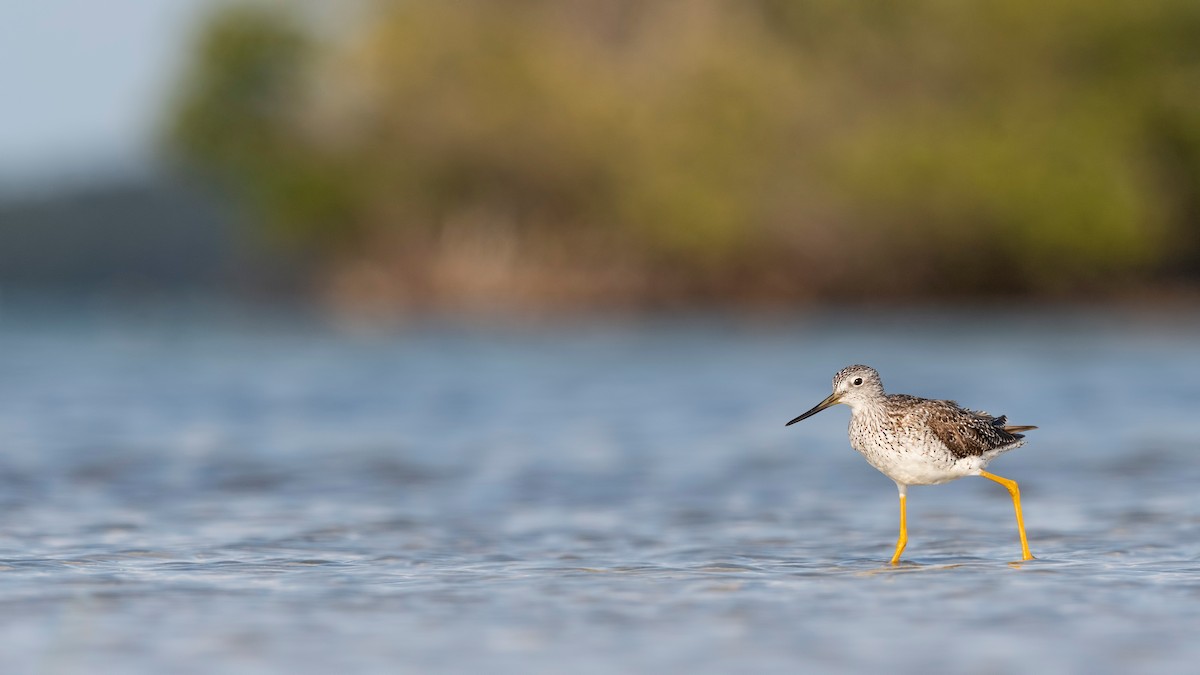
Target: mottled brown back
[(964, 432)]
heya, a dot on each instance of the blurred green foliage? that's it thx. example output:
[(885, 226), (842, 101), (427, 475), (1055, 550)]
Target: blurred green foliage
[(785, 149)]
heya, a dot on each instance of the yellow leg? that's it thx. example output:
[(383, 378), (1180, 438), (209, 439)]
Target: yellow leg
[(903, 540), (1011, 486)]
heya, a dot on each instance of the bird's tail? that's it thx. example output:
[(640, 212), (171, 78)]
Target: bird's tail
[(1017, 429)]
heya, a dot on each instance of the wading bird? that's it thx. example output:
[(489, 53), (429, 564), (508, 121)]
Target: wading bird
[(919, 441)]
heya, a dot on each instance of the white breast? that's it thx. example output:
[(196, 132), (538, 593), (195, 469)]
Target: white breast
[(911, 455)]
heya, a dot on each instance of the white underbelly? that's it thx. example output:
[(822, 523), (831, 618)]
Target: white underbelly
[(921, 466)]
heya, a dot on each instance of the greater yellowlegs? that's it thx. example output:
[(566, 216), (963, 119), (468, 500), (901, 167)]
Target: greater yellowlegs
[(919, 441)]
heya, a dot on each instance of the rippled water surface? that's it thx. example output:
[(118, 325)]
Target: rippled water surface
[(214, 492)]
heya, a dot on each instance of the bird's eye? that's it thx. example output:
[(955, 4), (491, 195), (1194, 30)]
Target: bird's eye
[(857, 381)]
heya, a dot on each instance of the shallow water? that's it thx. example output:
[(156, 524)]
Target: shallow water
[(199, 492)]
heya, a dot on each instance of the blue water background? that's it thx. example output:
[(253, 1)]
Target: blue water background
[(219, 490)]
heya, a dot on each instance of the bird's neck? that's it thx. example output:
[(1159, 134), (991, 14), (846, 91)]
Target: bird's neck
[(866, 412)]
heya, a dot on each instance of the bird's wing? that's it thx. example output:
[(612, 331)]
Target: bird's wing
[(966, 433)]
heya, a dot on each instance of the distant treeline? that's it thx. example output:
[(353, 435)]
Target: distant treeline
[(538, 153), (127, 234)]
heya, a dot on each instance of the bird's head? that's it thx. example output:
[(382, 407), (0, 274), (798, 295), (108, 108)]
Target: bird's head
[(853, 385)]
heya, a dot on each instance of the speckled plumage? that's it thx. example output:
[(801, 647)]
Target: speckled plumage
[(919, 441)]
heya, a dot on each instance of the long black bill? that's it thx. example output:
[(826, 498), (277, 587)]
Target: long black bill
[(831, 400)]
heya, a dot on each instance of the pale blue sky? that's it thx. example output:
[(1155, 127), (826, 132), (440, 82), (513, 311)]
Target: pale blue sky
[(83, 82)]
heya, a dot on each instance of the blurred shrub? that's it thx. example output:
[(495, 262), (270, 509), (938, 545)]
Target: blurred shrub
[(752, 149)]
